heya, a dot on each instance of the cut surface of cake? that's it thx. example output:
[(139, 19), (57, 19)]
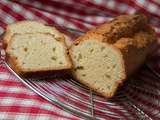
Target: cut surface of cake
[(98, 65), (37, 52)]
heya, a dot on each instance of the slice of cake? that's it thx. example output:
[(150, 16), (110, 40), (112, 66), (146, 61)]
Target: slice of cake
[(33, 47), (35, 52), (30, 27)]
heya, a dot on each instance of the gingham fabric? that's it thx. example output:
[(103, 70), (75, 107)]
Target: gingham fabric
[(17, 102)]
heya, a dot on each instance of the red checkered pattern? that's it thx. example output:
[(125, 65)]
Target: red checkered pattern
[(18, 102)]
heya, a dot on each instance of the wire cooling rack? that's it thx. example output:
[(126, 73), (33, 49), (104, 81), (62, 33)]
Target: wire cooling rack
[(138, 99)]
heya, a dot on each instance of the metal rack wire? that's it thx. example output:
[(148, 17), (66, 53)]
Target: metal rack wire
[(138, 99)]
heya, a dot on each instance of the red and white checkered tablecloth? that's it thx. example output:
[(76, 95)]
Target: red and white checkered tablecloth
[(17, 102)]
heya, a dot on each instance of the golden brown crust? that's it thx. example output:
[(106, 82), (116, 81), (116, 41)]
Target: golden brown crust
[(4, 46), (13, 61), (6, 39), (122, 26)]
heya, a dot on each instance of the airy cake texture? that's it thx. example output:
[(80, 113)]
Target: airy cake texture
[(104, 57)]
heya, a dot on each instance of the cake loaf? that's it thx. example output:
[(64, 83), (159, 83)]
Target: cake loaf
[(104, 57)]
